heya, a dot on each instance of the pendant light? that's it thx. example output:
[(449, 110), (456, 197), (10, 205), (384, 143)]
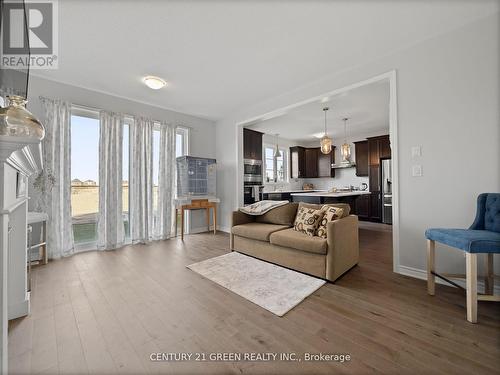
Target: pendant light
[(277, 152), (345, 150), (326, 141), (19, 124)]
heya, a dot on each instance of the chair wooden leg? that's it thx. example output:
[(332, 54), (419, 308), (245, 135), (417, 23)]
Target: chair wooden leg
[(471, 273), (489, 279), (431, 267)]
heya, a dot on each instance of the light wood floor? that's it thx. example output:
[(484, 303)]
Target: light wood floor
[(105, 312)]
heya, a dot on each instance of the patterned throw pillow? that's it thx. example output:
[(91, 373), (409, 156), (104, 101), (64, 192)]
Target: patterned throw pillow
[(330, 214), (307, 220)]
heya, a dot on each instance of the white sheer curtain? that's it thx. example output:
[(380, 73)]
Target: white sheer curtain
[(110, 224), (164, 218), (57, 158), (141, 180)]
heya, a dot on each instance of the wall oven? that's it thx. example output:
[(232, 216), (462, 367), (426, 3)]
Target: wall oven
[(252, 181)]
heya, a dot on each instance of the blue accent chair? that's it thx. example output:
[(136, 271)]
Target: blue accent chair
[(483, 237)]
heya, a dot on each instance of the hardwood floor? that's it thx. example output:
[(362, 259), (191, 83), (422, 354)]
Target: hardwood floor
[(106, 312)]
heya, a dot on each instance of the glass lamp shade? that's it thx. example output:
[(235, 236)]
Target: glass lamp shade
[(17, 121), (345, 151), (326, 144)]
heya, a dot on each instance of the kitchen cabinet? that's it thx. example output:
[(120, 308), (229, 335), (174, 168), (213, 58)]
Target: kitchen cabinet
[(277, 196), (325, 163), (362, 207), (297, 162), (361, 155), (311, 155), (252, 144), (378, 148), (311, 163)]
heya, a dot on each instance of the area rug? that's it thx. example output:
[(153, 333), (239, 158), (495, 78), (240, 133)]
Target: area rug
[(272, 287)]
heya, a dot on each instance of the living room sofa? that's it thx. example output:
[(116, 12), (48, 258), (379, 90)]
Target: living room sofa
[(271, 237)]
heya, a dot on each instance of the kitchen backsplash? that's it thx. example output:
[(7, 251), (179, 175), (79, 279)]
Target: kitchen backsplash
[(343, 177)]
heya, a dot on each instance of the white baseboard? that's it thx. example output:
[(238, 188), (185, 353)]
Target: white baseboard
[(205, 229), (422, 274)]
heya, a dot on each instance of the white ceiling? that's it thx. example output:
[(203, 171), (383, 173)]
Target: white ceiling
[(221, 55), (367, 108)]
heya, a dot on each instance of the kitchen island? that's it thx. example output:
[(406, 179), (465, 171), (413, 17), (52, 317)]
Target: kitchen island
[(285, 194), (356, 199)]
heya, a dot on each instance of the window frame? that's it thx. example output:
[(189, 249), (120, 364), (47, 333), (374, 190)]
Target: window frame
[(275, 165)]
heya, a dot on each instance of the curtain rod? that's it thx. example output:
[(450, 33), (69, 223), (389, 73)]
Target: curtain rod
[(94, 109)]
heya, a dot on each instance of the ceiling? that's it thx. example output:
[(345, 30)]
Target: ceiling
[(367, 108), (221, 55)]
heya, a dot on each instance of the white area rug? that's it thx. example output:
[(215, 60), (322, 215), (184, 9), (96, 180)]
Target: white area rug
[(272, 287)]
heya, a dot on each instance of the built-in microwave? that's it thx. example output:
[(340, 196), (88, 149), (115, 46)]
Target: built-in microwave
[(252, 169)]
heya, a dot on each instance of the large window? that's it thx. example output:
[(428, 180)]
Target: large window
[(84, 175), (85, 172), (275, 166)]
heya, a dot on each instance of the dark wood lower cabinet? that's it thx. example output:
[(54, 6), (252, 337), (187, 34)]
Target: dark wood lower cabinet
[(362, 208), (375, 206)]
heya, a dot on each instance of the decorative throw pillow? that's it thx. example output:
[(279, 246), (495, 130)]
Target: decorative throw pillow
[(307, 220), (329, 214)]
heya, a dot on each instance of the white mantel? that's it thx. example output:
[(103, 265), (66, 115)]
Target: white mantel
[(18, 157)]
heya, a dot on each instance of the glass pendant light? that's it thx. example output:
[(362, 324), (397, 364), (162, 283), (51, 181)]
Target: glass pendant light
[(19, 123), (326, 142), (277, 152), (345, 150)]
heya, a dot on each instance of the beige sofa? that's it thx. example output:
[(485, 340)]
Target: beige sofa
[(271, 237)]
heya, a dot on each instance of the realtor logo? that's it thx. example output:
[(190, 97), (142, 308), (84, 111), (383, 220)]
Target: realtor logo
[(33, 43)]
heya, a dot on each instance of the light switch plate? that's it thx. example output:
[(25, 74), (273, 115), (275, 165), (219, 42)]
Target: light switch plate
[(416, 171), (416, 151)]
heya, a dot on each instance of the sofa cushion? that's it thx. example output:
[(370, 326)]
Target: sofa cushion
[(299, 241), (283, 215), (345, 207), (257, 231), (331, 213), (307, 220)]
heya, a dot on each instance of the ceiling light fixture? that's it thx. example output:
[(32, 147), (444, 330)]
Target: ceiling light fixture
[(326, 142), (154, 83), (345, 149), (277, 152)]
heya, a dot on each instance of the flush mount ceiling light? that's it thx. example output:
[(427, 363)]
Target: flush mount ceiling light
[(326, 141), (154, 83)]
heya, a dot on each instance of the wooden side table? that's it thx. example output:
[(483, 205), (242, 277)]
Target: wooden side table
[(197, 204)]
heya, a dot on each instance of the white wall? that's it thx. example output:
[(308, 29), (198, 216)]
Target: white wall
[(448, 102), (202, 133)]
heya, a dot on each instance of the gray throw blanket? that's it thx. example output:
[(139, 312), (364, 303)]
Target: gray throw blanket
[(260, 208)]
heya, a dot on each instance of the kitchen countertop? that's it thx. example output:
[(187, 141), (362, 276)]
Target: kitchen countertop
[(293, 191), (332, 195)]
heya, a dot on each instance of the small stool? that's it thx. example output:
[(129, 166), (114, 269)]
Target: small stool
[(483, 237)]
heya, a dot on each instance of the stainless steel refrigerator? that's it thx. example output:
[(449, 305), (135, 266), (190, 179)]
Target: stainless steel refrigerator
[(387, 191)]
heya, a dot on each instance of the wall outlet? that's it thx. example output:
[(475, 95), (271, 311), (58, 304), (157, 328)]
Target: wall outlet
[(416, 171), (416, 151)]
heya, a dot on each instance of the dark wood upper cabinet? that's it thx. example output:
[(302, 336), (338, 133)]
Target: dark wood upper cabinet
[(325, 163), (252, 144), (385, 148), (311, 155), (361, 156), (378, 148), (297, 162), (311, 163)]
